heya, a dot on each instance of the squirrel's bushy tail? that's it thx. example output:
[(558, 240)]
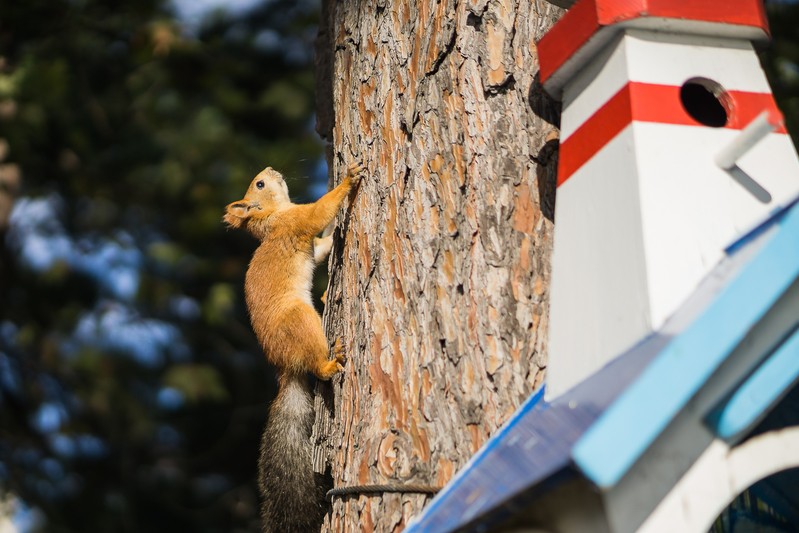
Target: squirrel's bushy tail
[(292, 494)]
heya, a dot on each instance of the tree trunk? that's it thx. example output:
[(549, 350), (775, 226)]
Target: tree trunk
[(440, 274)]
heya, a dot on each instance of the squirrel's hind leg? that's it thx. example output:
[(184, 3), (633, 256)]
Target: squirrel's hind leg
[(309, 345), (327, 368)]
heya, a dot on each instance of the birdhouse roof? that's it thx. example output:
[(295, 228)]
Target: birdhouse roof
[(590, 24)]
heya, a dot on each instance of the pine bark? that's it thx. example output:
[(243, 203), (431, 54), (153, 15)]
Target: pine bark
[(440, 273)]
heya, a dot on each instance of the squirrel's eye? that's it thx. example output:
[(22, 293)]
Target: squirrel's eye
[(260, 184)]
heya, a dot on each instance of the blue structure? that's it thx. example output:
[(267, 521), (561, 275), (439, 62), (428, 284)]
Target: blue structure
[(610, 454)]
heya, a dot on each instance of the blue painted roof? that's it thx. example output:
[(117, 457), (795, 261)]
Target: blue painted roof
[(536, 445), (626, 430), (765, 387)]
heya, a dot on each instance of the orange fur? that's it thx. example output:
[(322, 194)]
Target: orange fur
[(277, 286)]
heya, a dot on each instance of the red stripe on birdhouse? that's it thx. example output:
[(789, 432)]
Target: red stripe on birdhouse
[(646, 102), (587, 17)]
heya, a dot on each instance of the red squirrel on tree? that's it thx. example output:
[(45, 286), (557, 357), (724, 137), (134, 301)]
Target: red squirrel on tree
[(277, 290)]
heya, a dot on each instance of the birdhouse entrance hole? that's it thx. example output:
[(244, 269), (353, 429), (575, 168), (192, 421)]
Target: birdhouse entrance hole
[(706, 101)]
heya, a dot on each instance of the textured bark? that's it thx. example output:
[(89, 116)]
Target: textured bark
[(440, 274)]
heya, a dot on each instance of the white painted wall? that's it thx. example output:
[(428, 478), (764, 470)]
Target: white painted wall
[(644, 220), (600, 303), (660, 58), (718, 476), (692, 209)]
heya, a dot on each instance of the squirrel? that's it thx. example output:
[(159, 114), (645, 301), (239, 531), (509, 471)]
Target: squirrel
[(277, 291)]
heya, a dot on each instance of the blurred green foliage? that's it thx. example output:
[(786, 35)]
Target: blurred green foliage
[(781, 60), (132, 392)]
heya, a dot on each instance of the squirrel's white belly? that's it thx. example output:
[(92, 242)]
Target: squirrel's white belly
[(305, 280)]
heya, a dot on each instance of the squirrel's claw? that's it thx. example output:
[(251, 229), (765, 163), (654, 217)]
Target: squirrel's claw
[(338, 352), (355, 169), (355, 172), (329, 368)]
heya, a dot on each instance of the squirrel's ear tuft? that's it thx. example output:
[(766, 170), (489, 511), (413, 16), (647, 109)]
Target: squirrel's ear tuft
[(235, 214)]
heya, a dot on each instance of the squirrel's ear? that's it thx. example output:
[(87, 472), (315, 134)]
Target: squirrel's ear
[(235, 214)]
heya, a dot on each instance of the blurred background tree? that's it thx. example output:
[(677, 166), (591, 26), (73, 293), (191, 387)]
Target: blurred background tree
[(781, 60), (132, 392)]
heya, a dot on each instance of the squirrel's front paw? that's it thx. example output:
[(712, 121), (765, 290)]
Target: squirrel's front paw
[(355, 172)]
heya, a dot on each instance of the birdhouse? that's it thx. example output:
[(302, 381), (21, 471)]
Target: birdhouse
[(671, 147)]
